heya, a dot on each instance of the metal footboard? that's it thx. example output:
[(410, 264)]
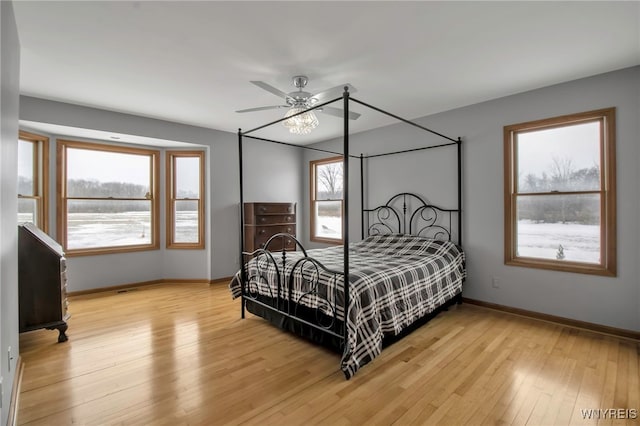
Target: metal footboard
[(295, 286)]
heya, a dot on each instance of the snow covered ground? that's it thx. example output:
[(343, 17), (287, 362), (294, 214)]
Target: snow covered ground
[(90, 230), (580, 243), (329, 227)]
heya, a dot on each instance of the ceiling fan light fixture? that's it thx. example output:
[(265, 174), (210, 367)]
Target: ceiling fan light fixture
[(299, 102), (300, 124)]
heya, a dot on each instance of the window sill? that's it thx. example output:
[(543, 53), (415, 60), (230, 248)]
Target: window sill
[(185, 246), (109, 250), (564, 266), (326, 241)]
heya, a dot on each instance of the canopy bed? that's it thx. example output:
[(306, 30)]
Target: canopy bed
[(408, 265)]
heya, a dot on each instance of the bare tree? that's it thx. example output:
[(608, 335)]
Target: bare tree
[(561, 176), (562, 172), (330, 177)]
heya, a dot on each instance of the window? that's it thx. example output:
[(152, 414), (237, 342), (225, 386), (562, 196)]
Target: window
[(33, 179), (108, 198), (326, 200), (560, 193), (185, 199)]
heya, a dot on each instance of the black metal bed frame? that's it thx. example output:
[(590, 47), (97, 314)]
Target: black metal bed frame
[(282, 305)]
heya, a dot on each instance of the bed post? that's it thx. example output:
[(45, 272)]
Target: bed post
[(459, 147), (361, 196), (242, 271), (345, 228)]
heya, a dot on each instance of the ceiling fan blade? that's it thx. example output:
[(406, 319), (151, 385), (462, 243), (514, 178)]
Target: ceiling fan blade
[(271, 89), (334, 92), (263, 108), (337, 112)]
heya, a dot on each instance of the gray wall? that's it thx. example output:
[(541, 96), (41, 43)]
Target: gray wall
[(271, 174), (608, 301), (601, 300), (9, 76), (422, 172)]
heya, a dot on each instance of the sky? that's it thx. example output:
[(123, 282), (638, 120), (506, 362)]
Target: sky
[(187, 171), (108, 166), (25, 159), (537, 149), (105, 166)]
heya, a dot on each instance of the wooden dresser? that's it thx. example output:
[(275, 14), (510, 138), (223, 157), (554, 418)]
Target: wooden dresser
[(42, 282), (263, 220)]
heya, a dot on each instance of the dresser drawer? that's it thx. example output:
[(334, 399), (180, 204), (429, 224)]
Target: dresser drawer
[(263, 233), (268, 231), (276, 244), (274, 208), (253, 211), (275, 219)]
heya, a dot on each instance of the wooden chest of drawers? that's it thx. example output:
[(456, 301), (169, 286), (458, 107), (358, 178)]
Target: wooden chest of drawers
[(263, 220)]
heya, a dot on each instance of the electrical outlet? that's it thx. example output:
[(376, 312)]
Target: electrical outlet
[(495, 282)]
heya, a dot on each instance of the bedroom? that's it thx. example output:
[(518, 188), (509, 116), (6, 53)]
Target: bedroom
[(612, 302)]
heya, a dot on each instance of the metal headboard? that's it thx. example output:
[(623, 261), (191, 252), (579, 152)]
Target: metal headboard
[(408, 213)]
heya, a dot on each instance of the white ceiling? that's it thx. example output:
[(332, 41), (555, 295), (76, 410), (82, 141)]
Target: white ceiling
[(191, 62)]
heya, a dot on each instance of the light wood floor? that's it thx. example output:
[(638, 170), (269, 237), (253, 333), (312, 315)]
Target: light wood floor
[(181, 355)]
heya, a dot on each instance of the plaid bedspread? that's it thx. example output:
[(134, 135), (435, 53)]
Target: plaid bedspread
[(394, 280)]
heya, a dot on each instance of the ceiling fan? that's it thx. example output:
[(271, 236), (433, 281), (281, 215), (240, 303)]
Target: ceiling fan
[(300, 100)]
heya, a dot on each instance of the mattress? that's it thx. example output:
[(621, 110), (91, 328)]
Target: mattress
[(394, 281)]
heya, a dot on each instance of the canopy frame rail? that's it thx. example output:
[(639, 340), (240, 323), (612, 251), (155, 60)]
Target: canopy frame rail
[(346, 99)]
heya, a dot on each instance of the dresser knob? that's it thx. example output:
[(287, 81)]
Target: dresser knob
[(263, 209), (262, 232)]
